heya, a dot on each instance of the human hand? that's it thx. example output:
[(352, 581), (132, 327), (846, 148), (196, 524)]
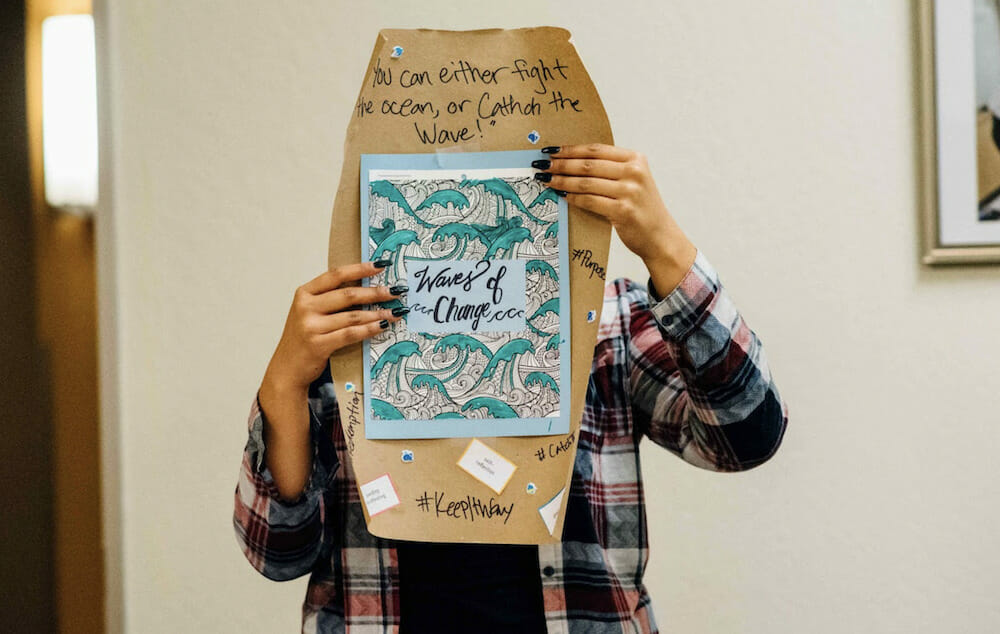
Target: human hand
[(616, 183), (323, 318)]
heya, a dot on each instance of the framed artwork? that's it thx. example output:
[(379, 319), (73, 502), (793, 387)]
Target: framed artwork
[(959, 73), (482, 247)]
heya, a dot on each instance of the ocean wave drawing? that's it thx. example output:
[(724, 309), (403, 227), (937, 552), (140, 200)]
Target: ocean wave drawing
[(422, 376)]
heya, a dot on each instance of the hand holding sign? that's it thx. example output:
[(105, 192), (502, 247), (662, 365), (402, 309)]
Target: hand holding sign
[(322, 318), (616, 183)]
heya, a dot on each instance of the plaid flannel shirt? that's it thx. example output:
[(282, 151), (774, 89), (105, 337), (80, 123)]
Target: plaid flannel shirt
[(683, 370)]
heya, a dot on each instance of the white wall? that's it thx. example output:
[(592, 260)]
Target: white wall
[(782, 135)]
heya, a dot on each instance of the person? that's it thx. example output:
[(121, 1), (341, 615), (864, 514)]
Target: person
[(674, 362)]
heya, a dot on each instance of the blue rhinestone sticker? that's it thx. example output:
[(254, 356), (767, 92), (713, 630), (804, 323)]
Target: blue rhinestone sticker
[(397, 51), (349, 386), (591, 315), (406, 456), (531, 488), (533, 136)]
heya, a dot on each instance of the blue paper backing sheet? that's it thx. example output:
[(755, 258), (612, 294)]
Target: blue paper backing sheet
[(377, 428)]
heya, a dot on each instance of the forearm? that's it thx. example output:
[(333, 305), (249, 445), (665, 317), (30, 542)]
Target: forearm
[(286, 435), (282, 538), (702, 385), (669, 266)]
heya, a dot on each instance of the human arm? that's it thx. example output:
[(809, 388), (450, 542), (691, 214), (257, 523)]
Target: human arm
[(289, 458), (699, 381), (281, 538)]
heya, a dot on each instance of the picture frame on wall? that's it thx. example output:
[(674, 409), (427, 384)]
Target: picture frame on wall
[(959, 77)]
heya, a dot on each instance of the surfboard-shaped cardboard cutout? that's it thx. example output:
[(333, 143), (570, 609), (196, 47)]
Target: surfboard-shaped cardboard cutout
[(433, 92)]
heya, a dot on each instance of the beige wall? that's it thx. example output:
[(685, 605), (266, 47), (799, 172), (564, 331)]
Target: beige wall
[(782, 136)]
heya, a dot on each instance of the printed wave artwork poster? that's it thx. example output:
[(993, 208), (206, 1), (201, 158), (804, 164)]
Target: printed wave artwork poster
[(482, 246)]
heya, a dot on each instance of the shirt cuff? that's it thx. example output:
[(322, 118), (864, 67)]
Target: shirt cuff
[(686, 306), (321, 471)]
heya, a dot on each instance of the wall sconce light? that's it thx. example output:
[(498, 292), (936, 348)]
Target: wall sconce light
[(69, 113)]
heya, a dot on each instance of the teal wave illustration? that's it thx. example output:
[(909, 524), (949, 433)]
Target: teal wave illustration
[(495, 408), (462, 233), (507, 242), (387, 190), (429, 381), (543, 379), (393, 245), (548, 195), (551, 306), (506, 354), (466, 345), (378, 234), (444, 197), (503, 192), (553, 343), (540, 333), (394, 357), (385, 410), (492, 232), (542, 267)]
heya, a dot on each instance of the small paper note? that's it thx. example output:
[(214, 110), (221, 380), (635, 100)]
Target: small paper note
[(487, 466), (379, 495), (550, 510)]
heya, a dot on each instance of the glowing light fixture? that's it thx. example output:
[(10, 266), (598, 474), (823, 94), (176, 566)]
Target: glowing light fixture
[(69, 112)]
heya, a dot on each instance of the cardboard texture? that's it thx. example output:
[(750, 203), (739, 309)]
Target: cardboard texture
[(483, 91)]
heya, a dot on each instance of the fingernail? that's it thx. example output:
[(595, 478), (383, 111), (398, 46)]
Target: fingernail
[(384, 324), (559, 192), (543, 176), (552, 149), (381, 264), (399, 311), (399, 289), (541, 164)]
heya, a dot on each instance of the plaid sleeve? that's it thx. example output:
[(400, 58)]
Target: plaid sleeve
[(700, 382), (282, 539)]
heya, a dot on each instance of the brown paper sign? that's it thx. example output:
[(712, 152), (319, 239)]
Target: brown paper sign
[(444, 91)]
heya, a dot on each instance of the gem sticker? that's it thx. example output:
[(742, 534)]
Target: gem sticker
[(349, 386), (531, 489), (591, 315), (397, 51), (533, 136), (406, 456)]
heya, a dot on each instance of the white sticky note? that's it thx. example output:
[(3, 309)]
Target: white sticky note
[(487, 466), (379, 495), (550, 510)]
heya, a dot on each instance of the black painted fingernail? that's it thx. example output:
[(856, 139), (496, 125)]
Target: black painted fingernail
[(541, 164), (381, 264), (543, 176), (384, 324), (399, 289), (400, 311), (559, 192), (552, 149)]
